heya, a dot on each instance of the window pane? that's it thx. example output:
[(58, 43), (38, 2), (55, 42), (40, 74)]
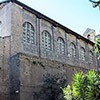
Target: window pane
[(72, 50), (28, 33), (60, 46), (91, 57), (82, 54), (46, 40)]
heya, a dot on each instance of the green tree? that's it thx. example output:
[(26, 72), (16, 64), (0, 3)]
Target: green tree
[(68, 95), (95, 3), (52, 87), (84, 86), (91, 89), (97, 47), (79, 86)]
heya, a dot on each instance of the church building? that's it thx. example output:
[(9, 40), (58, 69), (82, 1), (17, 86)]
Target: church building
[(33, 45)]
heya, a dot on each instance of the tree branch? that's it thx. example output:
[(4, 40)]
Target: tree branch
[(93, 1)]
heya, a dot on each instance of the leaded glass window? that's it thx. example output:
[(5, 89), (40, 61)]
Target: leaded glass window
[(91, 56), (28, 33), (60, 45), (72, 50), (46, 40), (82, 54)]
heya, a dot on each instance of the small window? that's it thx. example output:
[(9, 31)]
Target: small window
[(88, 36), (91, 57), (82, 54), (60, 46), (0, 27), (28, 33), (72, 50), (46, 40)]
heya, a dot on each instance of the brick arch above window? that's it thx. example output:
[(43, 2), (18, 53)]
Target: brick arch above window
[(61, 45), (46, 40), (72, 50), (28, 33), (82, 54)]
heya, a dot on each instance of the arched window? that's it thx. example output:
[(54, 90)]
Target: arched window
[(60, 46), (91, 56), (0, 28), (28, 33), (72, 50), (82, 54), (46, 40)]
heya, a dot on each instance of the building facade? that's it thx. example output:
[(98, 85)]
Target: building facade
[(33, 45)]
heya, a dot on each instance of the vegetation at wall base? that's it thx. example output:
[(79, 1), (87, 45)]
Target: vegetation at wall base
[(84, 86), (97, 47), (51, 88)]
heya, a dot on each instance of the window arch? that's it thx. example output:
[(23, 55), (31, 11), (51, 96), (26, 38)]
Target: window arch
[(82, 54), (60, 45), (28, 33), (72, 50), (46, 40), (91, 56)]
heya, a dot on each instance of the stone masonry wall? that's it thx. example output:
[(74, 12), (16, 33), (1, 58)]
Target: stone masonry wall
[(23, 65), (36, 49), (32, 70), (4, 67)]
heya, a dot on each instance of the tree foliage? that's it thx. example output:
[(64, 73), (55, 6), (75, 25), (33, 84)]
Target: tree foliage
[(68, 93), (95, 3), (84, 87), (52, 87), (79, 85), (97, 47)]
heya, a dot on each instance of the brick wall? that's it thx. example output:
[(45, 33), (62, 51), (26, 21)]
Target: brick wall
[(23, 65)]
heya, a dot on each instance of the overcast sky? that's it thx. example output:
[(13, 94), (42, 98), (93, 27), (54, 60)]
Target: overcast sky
[(77, 15)]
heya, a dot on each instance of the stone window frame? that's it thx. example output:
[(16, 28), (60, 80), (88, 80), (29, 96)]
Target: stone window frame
[(28, 33), (60, 45), (46, 40), (82, 54), (72, 50)]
